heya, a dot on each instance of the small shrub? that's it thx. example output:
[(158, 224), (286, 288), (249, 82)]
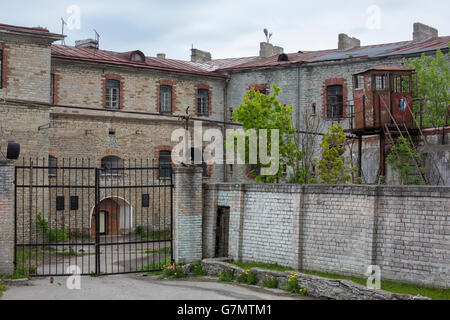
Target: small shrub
[(197, 269), (170, 272), (243, 277), (23, 272), (227, 276), (269, 282), (2, 289), (59, 235), (291, 285), (252, 279)]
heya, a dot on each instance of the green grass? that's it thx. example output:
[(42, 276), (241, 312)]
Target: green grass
[(391, 286), (2, 289), (268, 266), (154, 235)]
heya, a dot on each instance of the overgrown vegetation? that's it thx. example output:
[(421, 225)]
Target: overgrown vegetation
[(197, 269), (269, 282), (332, 168), (268, 266), (52, 236), (2, 289), (400, 158), (260, 111), (156, 265), (227, 276), (153, 234), (432, 74), (247, 277)]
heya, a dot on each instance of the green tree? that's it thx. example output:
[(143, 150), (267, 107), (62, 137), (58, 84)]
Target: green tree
[(432, 77), (260, 111), (332, 168), (399, 158)]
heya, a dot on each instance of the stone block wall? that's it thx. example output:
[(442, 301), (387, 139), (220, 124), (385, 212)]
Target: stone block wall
[(6, 217), (338, 229)]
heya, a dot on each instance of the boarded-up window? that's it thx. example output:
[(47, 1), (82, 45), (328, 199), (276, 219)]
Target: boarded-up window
[(335, 101), (165, 99), (112, 94), (203, 102)]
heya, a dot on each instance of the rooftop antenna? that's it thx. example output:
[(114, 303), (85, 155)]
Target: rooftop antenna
[(268, 35), (97, 38), (63, 23)]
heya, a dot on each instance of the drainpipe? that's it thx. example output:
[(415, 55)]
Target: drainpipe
[(298, 101), (225, 120)]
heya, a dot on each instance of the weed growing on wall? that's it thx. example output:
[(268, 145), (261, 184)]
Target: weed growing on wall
[(227, 276), (269, 282)]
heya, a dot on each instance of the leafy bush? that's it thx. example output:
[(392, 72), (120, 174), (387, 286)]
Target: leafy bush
[(292, 284), (57, 235), (227, 276), (269, 282), (197, 269), (252, 279)]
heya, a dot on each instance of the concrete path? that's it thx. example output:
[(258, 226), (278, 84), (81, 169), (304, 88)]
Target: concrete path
[(138, 287)]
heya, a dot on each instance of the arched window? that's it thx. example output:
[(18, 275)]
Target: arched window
[(111, 164)]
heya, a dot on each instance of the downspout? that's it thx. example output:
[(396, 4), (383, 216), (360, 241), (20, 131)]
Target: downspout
[(225, 103)]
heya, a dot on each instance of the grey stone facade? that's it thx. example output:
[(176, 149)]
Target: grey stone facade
[(338, 229)]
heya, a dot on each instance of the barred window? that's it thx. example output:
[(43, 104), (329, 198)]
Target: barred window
[(203, 102), (165, 102), (52, 165), (335, 101), (111, 164), (164, 164), (112, 94)]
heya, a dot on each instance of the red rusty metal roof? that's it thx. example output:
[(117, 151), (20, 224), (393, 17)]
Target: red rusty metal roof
[(385, 68), (378, 50), (110, 57), (35, 30)]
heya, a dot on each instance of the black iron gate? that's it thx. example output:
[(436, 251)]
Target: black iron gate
[(80, 216)]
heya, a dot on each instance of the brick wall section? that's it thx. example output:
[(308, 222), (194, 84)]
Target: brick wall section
[(6, 218), (187, 214), (340, 229)]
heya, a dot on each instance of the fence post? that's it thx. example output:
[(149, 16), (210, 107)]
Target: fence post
[(6, 217), (187, 214)]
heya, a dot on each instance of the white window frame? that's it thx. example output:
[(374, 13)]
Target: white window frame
[(112, 99)]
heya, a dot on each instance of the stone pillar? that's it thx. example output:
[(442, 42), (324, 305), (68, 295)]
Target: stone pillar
[(187, 214), (236, 223), (6, 217)]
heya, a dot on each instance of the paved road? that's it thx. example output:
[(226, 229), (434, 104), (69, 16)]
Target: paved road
[(138, 287)]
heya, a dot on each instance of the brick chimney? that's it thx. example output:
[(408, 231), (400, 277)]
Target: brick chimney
[(161, 55), (87, 44), (200, 56), (345, 42), (423, 32), (268, 50)]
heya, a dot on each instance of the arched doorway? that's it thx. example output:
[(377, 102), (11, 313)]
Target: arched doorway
[(115, 217)]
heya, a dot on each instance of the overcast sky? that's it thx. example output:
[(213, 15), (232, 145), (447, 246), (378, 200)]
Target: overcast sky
[(228, 28)]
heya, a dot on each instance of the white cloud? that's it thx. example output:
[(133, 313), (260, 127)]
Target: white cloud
[(228, 28)]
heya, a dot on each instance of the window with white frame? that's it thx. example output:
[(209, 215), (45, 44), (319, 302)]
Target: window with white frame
[(203, 102), (165, 99), (359, 82), (380, 82), (112, 94)]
